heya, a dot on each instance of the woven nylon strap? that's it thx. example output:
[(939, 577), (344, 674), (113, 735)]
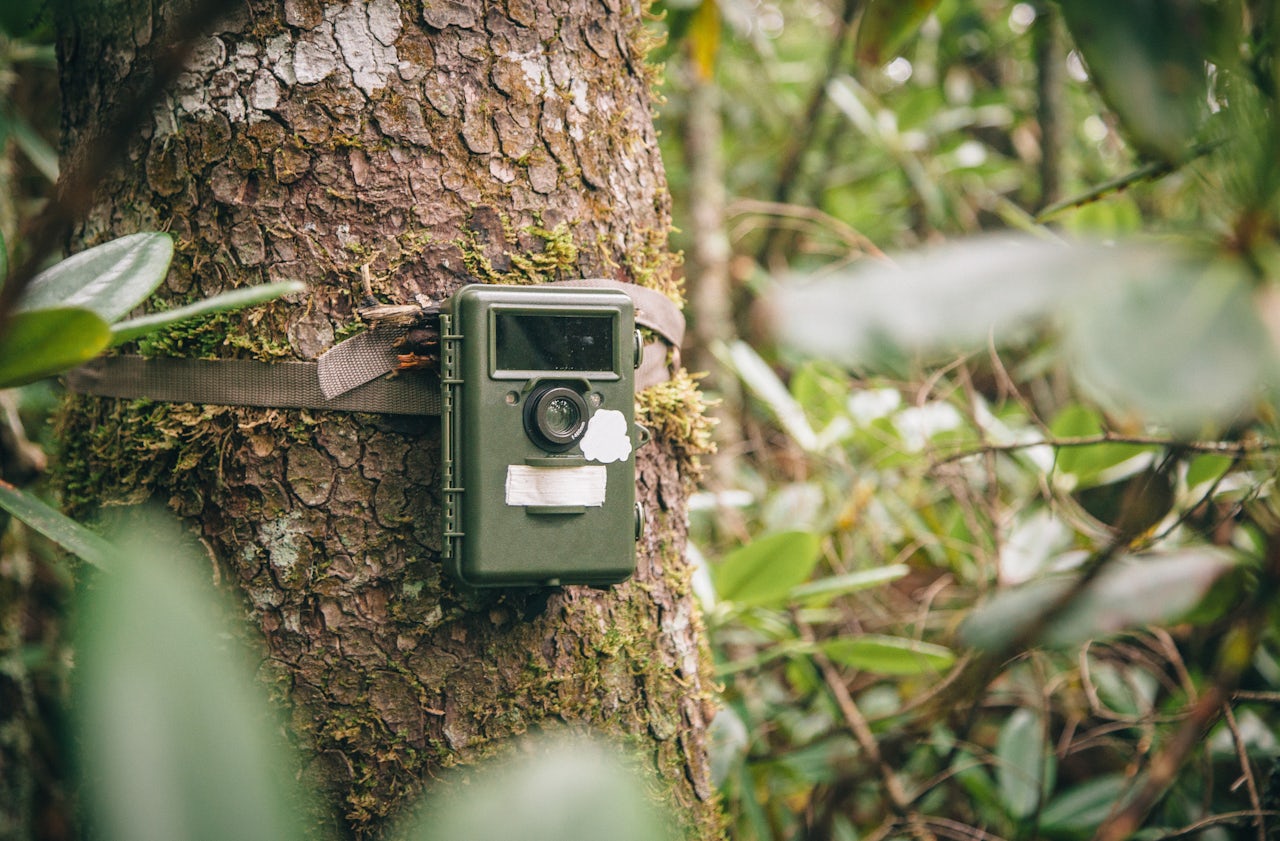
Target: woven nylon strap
[(245, 382), (353, 376)]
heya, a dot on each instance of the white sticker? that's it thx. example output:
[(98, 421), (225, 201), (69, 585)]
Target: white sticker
[(607, 439), (583, 485)]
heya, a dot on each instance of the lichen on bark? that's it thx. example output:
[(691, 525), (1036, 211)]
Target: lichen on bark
[(413, 145)]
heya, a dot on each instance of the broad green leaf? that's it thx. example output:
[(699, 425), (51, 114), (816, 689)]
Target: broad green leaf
[(110, 279), (1020, 766), (1079, 811), (1208, 467), (886, 25), (1175, 340), (765, 570), (1147, 58), (177, 739), (1089, 464), (59, 528), (823, 590), (132, 328), (552, 789), (889, 655), (1132, 592), (45, 342)]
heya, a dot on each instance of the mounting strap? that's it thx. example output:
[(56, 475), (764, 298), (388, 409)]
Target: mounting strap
[(355, 375)]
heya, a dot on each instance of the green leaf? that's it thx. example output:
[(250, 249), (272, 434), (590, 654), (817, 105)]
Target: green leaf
[(42, 343), (1147, 58), (1175, 340), (132, 328), (886, 25), (825, 589), (822, 388), (110, 279), (1088, 465), (56, 526), (1132, 592), (1020, 767), (1206, 468), (765, 570), (889, 655), (4, 259), (176, 734), (1079, 811)]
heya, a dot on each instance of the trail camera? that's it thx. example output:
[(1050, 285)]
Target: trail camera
[(538, 387)]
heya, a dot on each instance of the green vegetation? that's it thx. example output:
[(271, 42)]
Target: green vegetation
[(996, 555)]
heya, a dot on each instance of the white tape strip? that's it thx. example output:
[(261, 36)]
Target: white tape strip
[(583, 485)]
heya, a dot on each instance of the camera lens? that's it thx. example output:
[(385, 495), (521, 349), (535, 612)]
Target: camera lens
[(555, 417), (562, 416)]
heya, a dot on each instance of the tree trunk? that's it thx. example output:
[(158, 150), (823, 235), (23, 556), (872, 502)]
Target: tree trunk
[(419, 146)]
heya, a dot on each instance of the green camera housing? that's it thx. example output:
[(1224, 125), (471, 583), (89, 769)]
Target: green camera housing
[(538, 392)]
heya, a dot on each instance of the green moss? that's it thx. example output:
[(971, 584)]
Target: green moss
[(558, 256), (676, 412), (207, 337)]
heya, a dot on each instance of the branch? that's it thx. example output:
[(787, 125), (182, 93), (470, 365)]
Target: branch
[(1224, 448)]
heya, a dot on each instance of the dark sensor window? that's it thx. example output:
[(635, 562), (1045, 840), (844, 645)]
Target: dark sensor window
[(528, 342)]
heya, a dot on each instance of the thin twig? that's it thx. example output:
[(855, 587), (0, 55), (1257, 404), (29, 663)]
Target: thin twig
[(1246, 770), (1225, 448)]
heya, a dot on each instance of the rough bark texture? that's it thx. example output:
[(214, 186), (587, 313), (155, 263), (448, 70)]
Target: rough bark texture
[(429, 144)]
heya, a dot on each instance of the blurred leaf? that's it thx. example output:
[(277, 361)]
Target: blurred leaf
[(886, 25), (36, 148), (822, 388), (703, 38), (889, 655), (1079, 811), (4, 259), (1150, 589), (1088, 465), (823, 590), (1177, 341), (765, 385), (1207, 467), (110, 279), (558, 789), (45, 342), (21, 17), (132, 328), (176, 737), (62, 530), (1147, 58), (1020, 766), (941, 300), (765, 570)]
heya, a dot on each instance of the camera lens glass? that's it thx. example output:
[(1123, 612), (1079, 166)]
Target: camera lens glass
[(562, 416), (555, 417)]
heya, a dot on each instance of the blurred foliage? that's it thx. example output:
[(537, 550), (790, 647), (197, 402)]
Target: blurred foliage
[(998, 556)]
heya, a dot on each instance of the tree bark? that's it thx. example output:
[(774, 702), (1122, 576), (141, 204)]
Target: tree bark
[(419, 146)]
